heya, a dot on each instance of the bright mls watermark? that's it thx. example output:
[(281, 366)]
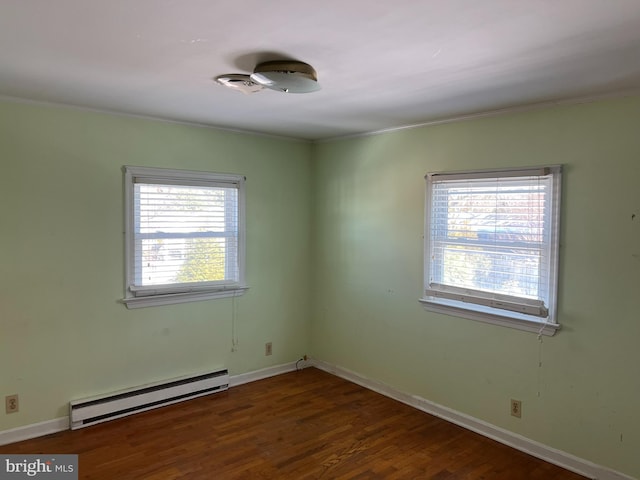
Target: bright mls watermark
[(51, 467)]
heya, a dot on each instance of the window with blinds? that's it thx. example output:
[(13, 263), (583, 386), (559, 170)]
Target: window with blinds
[(491, 242), (184, 235)]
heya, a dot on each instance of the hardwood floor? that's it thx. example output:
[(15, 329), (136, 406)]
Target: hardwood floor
[(301, 425)]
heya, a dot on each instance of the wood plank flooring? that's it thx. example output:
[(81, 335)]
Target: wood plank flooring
[(301, 425)]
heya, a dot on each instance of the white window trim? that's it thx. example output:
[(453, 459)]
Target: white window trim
[(544, 328), (485, 314), (181, 293)]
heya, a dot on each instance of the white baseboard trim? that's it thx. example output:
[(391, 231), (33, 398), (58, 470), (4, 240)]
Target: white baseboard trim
[(536, 449), (34, 430), (41, 429), (235, 380)]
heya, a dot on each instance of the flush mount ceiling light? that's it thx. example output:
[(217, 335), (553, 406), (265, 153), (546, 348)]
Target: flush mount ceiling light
[(286, 76), (239, 83)]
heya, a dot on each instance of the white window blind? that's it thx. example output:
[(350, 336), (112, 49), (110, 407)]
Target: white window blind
[(184, 232), (492, 241)]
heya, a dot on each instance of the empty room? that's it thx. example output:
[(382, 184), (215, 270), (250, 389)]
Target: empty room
[(338, 240)]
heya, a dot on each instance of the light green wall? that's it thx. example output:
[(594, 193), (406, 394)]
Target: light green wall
[(368, 254), (63, 334), (355, 209)]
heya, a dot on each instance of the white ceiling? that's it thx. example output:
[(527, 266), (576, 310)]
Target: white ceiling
[(381, 64)]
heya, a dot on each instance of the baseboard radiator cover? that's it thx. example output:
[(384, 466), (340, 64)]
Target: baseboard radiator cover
[(90, 411)]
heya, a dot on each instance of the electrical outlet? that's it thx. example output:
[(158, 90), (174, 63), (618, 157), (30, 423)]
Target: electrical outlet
[(516, 408), (11, 403), (268, 348)]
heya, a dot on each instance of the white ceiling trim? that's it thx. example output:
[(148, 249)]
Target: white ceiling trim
[(494, 113), (631, 92), (103, 111)]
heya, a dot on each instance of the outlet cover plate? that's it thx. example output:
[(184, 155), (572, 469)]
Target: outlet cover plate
[(12, 404)]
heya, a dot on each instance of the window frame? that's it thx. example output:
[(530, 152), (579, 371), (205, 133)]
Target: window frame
[(483, 313), (137, 296)]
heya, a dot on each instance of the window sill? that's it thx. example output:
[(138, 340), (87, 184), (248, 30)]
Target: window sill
[(173, 298), (534, 326)]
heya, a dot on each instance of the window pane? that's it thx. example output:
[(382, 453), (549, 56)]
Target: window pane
[(185, 234), (505, 271), (489, 235)]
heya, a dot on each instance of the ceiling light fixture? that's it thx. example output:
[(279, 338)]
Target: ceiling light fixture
[(287, 76), (239, 82)]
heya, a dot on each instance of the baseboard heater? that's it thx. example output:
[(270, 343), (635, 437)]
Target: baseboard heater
[(90, 411)]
